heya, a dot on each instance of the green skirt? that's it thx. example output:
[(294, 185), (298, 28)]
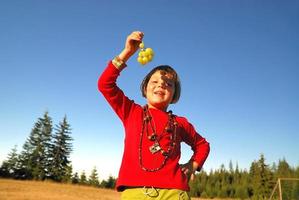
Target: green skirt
[(154, 193)]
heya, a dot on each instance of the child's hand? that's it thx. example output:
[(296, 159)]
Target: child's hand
[(189, 169), (133, 41), (132, 45)]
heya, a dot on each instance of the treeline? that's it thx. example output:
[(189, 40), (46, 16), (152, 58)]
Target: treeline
[(256, 184), (46, 156), (93, 180)]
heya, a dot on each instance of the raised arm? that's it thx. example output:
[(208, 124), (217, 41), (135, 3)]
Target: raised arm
[(107, 81)]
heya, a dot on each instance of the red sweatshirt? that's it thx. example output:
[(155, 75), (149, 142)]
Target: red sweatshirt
[(131, 114)]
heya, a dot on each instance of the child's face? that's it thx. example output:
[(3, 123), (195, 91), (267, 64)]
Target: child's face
[(160, 90)]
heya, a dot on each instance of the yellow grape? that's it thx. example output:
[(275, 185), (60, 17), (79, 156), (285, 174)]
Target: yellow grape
[(149, 51), (142, 62), (141, 54), (150, 58), (139, 59), (146, 53), (141, 45), (145, 59)]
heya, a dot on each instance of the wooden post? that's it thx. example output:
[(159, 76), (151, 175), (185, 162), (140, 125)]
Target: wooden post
[(273, 191), (279, 184)]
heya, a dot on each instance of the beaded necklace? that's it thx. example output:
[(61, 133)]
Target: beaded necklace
[(170, 129)]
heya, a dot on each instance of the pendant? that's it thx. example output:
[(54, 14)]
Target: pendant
[(155, 148), (152, 137)]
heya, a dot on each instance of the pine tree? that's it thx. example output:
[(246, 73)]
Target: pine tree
[(75, 178), (262, 179), (241, 185), (110, 183), (83, 179), (46, 137), (284, 171), (266, 178), (254, 179), (4, 170), (67, 177), (60, 151), (222, 182), (93, 178), (28, 157), (33, 159), (9, 167)]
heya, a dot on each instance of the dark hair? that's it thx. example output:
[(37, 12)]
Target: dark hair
[(169, 70)]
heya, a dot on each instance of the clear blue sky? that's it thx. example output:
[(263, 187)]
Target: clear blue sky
[(238, 62)]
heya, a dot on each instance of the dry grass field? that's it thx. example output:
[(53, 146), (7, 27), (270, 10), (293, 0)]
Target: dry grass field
[(34, 190)]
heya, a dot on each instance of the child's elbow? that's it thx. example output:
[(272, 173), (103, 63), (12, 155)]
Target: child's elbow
[(101, 84)]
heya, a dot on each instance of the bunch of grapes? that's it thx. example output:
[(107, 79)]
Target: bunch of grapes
[(145, 55)]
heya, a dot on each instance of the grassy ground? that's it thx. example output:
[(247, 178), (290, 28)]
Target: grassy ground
[(34, 190)]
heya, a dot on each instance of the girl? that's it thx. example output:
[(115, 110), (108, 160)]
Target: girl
[(150, 165)]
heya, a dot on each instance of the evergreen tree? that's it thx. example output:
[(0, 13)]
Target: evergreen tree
[(93, 178), (236, 181), (60, 151), (284, 171), (4, 170), (253, 180), (241, 185), (83, 179), (33, 160), (262, 179), (9, 167), (40, 142), (45, 146), (29, 156), (110, 183), (266, 178), (67, 177), (223, 182), (75, 178)]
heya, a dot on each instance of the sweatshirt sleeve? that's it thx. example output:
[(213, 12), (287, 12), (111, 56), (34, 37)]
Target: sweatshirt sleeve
[(112, 93), (199, 145)]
